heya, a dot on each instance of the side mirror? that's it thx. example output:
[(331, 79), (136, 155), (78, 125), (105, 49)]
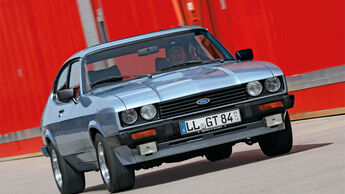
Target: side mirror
[(245, 54), (65, 95)]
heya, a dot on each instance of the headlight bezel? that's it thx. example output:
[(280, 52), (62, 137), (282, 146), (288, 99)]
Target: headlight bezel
[(266, 91), (140, 119), (153, 107), (268, 82), (129, 111), (254, 84)]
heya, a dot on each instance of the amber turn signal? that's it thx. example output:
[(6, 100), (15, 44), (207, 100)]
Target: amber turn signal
[(143, 134), (271, 105)]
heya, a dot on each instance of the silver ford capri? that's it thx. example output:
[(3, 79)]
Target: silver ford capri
[(164, 96)]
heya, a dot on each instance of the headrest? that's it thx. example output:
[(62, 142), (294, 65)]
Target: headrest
[(161, 63), (95, 76)]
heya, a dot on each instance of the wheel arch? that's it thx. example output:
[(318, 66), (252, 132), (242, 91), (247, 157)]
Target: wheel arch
[(94, 128), (49, 138)]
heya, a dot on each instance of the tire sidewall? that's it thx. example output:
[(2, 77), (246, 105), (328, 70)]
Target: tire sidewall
[(107, 156), (120, 177), (50, 148), (72, 180), (279, 142)]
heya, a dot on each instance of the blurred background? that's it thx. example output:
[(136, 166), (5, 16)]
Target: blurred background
[(306, 39)]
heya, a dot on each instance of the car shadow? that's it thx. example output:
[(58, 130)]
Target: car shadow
[(204, 166)]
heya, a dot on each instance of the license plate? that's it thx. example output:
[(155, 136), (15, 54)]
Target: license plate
[(210, 122)]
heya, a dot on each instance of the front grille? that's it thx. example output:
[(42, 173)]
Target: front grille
[(188, 104)]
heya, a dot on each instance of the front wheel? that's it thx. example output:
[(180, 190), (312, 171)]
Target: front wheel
[(279, 142), (116, 177), (68, 179)]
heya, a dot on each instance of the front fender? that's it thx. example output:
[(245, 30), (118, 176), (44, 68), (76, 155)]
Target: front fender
[(275, 70), (94, 125), (48, 136)]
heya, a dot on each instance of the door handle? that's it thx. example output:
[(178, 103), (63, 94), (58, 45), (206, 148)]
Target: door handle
[(61, 112)]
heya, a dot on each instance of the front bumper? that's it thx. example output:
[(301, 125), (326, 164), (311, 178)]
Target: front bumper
[(171, 143), (128, 156)]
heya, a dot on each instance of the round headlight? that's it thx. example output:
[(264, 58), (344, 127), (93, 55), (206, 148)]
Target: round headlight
[(272, 84), (129, 116), (148, 112), (254, 88)]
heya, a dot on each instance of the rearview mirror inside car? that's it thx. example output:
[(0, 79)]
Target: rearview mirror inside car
[(148, 51)]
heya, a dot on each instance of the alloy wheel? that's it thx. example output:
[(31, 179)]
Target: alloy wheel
[(56, 169), (102, 163)]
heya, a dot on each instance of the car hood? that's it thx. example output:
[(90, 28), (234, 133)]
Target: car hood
[(183, 82)]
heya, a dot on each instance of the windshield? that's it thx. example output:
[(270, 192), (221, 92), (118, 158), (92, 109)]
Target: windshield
[(150, 56)]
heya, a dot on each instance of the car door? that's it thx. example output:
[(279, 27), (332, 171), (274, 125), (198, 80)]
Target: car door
[(79, 116), (71, 130)]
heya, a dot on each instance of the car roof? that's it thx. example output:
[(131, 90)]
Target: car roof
[(98, 47)]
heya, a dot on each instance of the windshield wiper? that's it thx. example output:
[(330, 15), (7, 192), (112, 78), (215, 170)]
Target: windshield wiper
[(212, 61), (118, 78), (184, 64), (192, 63)]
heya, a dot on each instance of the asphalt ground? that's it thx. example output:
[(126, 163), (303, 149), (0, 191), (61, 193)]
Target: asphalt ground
[(316, 164)]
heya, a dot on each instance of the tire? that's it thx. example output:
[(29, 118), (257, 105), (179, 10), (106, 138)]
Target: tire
[(116, 177), (279, 142), (219, 153), (67, 179)]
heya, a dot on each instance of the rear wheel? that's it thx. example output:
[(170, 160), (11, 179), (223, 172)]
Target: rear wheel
[(279, 142), (219, 152), (116, 177), (68, 179)]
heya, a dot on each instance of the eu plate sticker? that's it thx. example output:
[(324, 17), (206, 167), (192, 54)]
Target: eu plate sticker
[(183, 127)]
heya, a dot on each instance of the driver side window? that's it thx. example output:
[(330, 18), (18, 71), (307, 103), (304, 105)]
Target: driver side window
[(62, 82), (74, 79)]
